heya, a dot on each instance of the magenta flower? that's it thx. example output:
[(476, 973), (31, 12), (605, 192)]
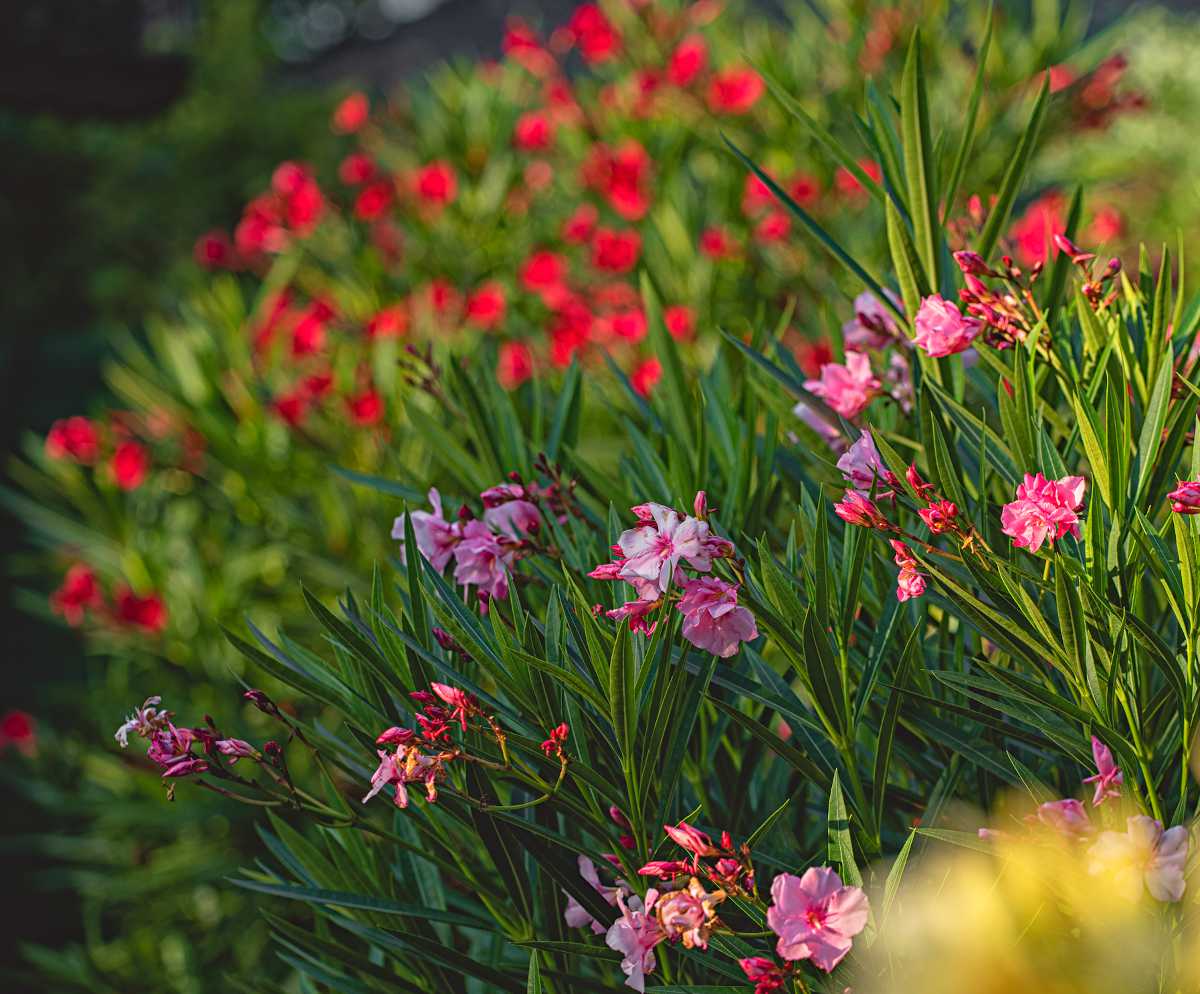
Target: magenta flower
[(395, 736), (1108, 776), (815, 916), (654, 548), (712, 618), (941, 328), (1044, 511), (855, 509), (481, 560), (635, 934), (863, 467), (1185, 498), (692, 839), (940, 516), (1143, 856), (764, 974), (874, 326), (638, 612), (436, 537), (847, 389)]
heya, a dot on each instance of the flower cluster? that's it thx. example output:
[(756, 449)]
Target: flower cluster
[(484, 549), (731, 868), (80, 595), (1044, 511), (652, 557)]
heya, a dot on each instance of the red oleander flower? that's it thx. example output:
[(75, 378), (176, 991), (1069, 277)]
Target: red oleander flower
[(130, 464), (940, 516), (391, 322), (594, 34), (18, 731), (734, 91), (356, 169), (79, 592), (558, 737), (615, 251), (214, 250), (485, 307), (680, 321), (148, 613), (373, 200), (437, 183), (75, 438), (351, 114), (534, 131), (365, 408), (688, 60), (645, 376), (717, 243), (515, 365)]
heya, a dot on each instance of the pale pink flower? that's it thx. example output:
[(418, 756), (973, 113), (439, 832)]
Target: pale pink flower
[(654, 548), (815, 916), (1108, 776), (575, 914), (689, 915), (942, 329), (436, 537), (909, 583), (1044, 511), (874, 326), (635, 934), (1068, 817), (863, 467), (481, 560), (828, 432), (1143, 855), (1185, 498), (406, 765), (145, 721), (713, 620), (847, 389), (236, 749)]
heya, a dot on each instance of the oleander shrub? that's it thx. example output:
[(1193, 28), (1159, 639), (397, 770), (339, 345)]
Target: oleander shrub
[(703, 690)]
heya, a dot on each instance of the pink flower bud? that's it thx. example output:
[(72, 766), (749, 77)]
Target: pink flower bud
[(1185, 498), (395, 736), (691, 839), (971, 263)]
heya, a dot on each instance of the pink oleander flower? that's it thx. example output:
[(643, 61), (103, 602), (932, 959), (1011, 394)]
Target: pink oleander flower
[(915, 481), (765, 975), (689, 915), (863, 467), (692, 839), (461, 703), (481, 560), (1108, 776), (712, 619), (635, 934), (1143, 856), (436, 537), (665, 869), (940, 516), (145, 721), (638, 612), (874, 325), (576, 915), (909, 583), (847, 389), (395, 736), (516, 518), (1044, 511), (406, 765), (855, 509), (655, 547), (1068, 817), (823, 428), (815, 916), (1185, 498), (942, 329)]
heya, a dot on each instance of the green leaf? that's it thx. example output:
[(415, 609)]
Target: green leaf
[(997, 219), (918, 160), (968, 133), (841, 849)]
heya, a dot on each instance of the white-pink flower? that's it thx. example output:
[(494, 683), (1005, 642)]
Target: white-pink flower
[(942, 329), (635, 934), (847, 389), (1067, 816), (656, 546), (712, 618), (1044, 511), (436, 537), (815, 916), (576, 915), (1143, 856)]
